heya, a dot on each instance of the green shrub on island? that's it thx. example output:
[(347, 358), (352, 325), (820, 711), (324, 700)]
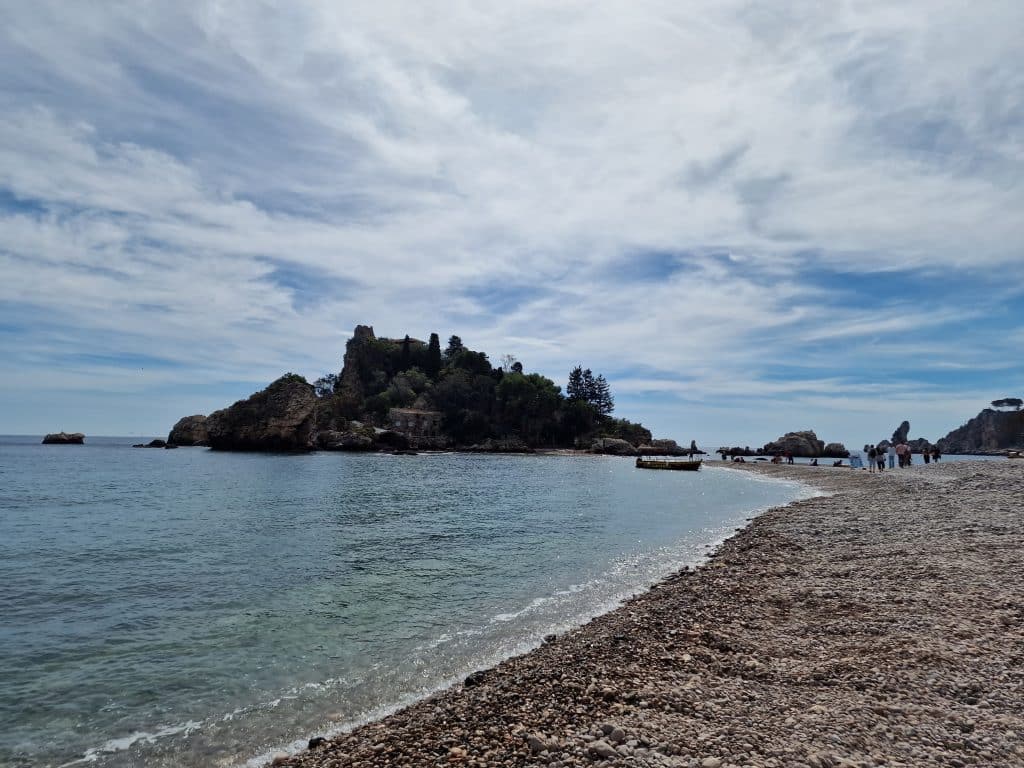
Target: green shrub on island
[(477, 401)]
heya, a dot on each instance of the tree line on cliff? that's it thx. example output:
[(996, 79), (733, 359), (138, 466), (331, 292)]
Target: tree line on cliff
[(477, 400)]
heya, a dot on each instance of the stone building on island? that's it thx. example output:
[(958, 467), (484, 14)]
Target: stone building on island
[(414, 423)]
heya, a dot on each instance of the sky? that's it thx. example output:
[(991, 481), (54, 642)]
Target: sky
[(751, 217)]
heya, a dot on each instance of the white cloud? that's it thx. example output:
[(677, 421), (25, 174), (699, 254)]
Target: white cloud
[(165, 160)]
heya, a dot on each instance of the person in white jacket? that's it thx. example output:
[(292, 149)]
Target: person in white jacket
[(891, 453)]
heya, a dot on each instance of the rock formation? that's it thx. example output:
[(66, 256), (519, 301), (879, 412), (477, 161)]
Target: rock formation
[(736, 451), (835, 451), (662, 448), (190, 430), (281, 417), (805, 444), (902, 433), (64, 438), (504, 445), (989, 432), (613, 446), (152, 444)]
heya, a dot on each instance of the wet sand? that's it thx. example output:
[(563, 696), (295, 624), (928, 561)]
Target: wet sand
[(880, 625)]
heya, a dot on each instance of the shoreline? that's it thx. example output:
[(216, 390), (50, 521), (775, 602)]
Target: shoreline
[(826, 632)]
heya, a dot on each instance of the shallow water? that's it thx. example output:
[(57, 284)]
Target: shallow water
[(186, 608)]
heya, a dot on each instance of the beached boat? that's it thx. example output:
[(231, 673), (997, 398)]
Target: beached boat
[(1015, 454), (686, 465)]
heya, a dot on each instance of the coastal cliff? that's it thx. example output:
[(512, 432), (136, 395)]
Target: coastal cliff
[(990, 431), (281, 417)]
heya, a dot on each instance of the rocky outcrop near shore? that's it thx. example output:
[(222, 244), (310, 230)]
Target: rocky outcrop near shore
[(736, 451), (613, 446), (189, 430), (805, 444), (663, 448), (64, 438), (511, 444), (281, 417), (835, 451), (840, 631), (990, 432)]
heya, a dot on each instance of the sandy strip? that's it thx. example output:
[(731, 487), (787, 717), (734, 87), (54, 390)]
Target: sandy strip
[(882, 625)]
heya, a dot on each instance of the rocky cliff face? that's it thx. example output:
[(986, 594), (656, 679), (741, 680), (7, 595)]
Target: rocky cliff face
[(988, 432), (190, 430), (282, 417)]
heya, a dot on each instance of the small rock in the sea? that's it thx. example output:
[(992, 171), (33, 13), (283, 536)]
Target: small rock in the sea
[(316, 741), (474, 678)]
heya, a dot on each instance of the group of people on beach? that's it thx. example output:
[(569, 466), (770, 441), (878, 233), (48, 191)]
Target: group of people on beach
[(876, 456)]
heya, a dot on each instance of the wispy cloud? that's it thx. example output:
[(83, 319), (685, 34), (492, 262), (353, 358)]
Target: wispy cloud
[(688, 196)]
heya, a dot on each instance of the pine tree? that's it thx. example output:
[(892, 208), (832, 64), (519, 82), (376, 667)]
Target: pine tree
[(603, 401), (574, 389), (589, 389), (454, 347)]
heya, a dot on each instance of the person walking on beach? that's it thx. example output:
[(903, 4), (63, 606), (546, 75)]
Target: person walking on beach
[(901, 452), (880, 456), (872, 457), (891, 452)]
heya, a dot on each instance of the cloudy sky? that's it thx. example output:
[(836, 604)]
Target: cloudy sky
[(752, 217)]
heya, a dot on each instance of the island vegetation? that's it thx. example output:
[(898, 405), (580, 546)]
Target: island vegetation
[(399, 394), (477, 401)]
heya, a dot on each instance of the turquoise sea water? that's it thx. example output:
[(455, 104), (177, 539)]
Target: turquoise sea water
[(187, 608)]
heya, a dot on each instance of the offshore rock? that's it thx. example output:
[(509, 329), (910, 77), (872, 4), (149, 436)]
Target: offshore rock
[(281, 417), (835, 451), (805, 444), (661, 448), (613, 446), (902, 433), (64, 438), (152, 444), (988, 432), (190, 430)]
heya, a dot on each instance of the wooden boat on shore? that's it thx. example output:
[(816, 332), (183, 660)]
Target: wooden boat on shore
[(685, 465)]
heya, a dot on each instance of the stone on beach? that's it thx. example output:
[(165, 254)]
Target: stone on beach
[(879, 625)]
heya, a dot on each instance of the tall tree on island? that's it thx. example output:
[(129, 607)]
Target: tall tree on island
[(602, 401), (433, 362), (455, 346), (405, 361), (574, 389)]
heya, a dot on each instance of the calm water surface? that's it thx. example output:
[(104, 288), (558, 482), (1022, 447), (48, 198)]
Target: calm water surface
[(187, 608)]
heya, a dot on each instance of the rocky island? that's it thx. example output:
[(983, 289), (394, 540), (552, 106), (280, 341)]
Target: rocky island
[(64, 438), (400, 394), (805, 445)]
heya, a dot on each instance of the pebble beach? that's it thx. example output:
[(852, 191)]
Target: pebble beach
[(879, 624)]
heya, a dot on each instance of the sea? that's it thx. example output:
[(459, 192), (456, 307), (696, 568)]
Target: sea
[(194, 608)]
